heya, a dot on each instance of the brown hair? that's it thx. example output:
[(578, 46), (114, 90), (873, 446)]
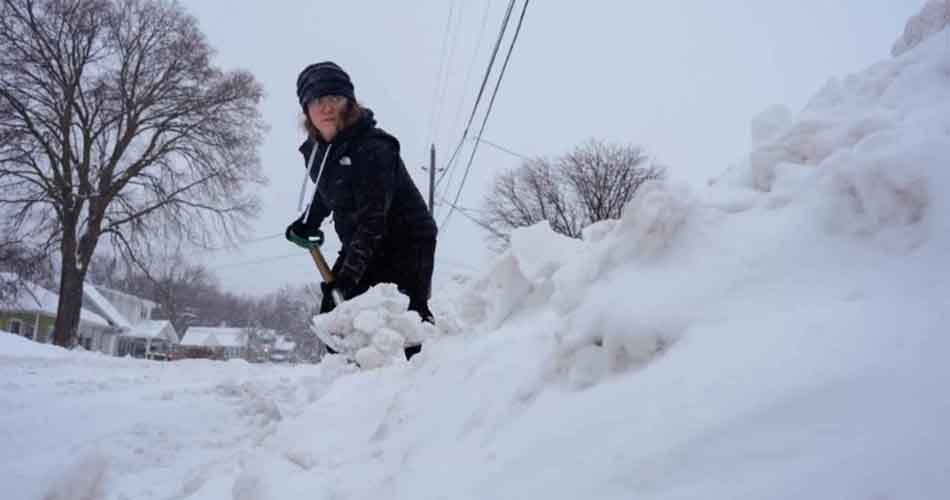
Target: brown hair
[(351, 114)]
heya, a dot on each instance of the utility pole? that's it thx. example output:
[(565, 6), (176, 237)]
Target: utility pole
[(432, 180)]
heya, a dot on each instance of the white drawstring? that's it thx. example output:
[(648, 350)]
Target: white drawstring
[(317, 181), (306, 173)]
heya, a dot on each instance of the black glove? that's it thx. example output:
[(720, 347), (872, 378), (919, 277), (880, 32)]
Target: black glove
[(327, 304), (303, 236), (342, 285)]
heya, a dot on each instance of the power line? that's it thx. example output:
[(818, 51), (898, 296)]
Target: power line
[(449, 169), (501, 148), (491, 104), (262, 238), (471, 64), (437, 95), (248, 241), (258, 261), (448, 71), (481, 90)]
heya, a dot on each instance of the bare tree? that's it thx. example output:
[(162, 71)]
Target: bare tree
[(20, 264), (590, 184), (115, 126)]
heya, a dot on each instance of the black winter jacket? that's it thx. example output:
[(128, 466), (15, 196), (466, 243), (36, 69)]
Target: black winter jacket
[(366, 186)]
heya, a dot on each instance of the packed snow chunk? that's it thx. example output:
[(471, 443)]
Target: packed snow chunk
[(789, 183), (249, 486), (811, 141), (932, 19), (650, 221), (86, 480), (387, 344), (598, 230), (521, 277), (490, 300), (604, 339), (883, 189), (541, 251), (769, 124), (377, 319)]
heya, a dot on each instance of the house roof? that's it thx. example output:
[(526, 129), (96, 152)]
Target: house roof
[(153, 329), (36, 299), (147, 302), (103, 304), (284, 344), (206, 336)]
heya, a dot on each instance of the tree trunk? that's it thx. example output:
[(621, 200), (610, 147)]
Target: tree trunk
[(70, 295)]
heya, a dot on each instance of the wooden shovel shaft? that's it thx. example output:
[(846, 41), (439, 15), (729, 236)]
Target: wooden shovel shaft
[(322, 266), (325, 272)]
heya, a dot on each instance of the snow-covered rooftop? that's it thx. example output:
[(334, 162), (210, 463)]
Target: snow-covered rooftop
[(153, 329), (36, 299), (207, 336), (104, 305)]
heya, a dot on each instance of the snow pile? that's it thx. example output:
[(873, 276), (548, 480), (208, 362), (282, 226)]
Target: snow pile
[(375, 326), (780, 333), (934, 17), (13, 345), (863, 164)]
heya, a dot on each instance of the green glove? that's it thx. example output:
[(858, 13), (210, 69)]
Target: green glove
[(304, 237)]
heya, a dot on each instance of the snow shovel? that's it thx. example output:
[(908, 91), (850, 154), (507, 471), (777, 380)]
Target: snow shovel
[(325, 272), (331, 341)]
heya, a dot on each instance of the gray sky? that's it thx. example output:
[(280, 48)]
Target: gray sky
[(680, 77)]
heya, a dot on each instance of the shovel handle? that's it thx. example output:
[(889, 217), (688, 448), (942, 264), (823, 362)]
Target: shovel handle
[(325, 272)]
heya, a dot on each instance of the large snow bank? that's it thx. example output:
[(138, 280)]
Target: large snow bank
[(932, 19), (778, 334), (13, 345)]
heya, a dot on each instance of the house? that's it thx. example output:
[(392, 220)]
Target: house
[(225, 342), (134, 333), (260, 343), (110, 321), (283, 350), (33, 315)]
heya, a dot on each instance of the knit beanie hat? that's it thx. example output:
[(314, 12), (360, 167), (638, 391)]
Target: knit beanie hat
[(320, 79)]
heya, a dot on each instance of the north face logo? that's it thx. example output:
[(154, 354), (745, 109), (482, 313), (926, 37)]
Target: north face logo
[(345, 161)]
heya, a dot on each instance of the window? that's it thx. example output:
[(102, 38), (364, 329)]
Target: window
[(16, 326)]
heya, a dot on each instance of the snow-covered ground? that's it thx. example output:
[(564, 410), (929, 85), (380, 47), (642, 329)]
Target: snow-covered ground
[(780, 333)]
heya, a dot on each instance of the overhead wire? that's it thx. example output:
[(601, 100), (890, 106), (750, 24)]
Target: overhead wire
[(468, 76), (501, 148), (491, 104), (481, 91), (444, 84), (437, 90), (471, 64), (258, 261)]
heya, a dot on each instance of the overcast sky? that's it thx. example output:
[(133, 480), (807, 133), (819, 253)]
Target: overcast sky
[(680, 77)]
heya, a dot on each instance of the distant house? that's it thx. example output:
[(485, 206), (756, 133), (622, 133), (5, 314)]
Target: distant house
[(33, 315), (110, 321), (134, 333), (283, 350), (226, 343)]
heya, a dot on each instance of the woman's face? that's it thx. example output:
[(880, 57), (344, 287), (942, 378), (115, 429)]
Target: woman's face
[(326, 114)]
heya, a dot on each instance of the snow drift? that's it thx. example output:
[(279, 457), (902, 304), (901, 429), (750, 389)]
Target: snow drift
[(779, 333)]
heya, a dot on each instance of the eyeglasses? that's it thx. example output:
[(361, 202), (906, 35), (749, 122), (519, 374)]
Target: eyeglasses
[(328, 100)]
